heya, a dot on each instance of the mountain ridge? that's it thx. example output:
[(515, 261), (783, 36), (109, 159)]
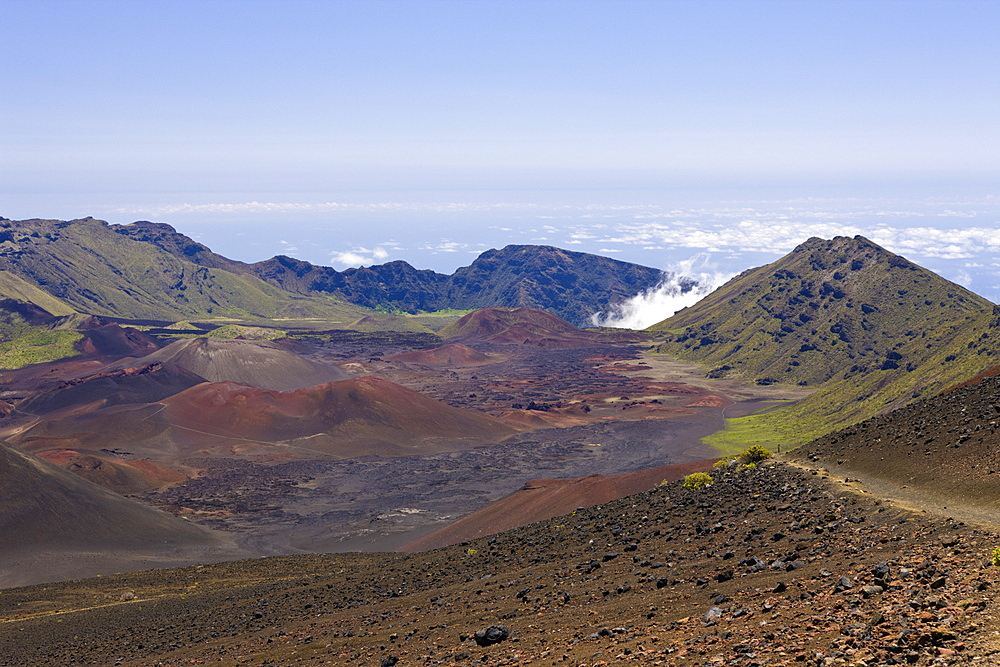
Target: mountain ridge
[(90, 267), (869, 328), (126, 270), (572, 285)]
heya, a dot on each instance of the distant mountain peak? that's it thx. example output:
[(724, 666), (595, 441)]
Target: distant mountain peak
[(842, 310), (829, 306)]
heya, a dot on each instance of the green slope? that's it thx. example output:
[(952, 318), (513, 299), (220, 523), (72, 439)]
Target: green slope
[(870, 329), (13, 287), (92, 268)]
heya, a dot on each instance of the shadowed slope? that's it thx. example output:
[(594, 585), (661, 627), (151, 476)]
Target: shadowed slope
[(146, 383), (49, 517), (573, 285)]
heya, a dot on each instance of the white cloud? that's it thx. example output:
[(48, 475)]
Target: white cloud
[(445, 245), (359, 257), (676, 291), (346, 259)]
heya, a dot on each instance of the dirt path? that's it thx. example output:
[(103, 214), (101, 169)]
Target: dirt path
[(905, 497)]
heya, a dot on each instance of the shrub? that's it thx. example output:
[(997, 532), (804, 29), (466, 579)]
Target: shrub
[(697, 480), (754, 454), (995, 559)]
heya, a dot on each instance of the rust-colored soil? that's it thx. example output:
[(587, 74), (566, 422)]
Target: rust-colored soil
[(542, 499)]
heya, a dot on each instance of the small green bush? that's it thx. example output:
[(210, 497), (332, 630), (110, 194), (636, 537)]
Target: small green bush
[(697, 480), (754, 454), (995, 559)]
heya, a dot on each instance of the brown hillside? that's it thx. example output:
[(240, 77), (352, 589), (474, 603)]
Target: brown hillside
[(146, 383), (944, 450), (111, 339), (258, 363), (358, 417), (119, 476), (450, 355), (767, 567)]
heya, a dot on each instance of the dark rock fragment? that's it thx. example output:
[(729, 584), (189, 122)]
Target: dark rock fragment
[(492, 635), (843, 584)]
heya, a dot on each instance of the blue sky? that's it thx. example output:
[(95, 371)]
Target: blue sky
[(425, 130)]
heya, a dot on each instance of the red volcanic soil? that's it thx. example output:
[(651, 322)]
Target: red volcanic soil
[(708, 401), (118, 476), (542, 499), (519, 326), (990, 372), (450, 355), (537, 419), (365, 416), (358, 417)]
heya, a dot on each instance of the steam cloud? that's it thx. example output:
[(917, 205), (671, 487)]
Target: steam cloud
[(685, 284)]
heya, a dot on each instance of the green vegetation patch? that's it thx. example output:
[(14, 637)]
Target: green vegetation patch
[(38, 347), (231, 331), (697, 481)]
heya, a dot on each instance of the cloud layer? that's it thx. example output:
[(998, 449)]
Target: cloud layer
[(674, 293)]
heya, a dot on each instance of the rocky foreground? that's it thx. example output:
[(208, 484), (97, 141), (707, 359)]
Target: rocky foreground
[(768, 566)]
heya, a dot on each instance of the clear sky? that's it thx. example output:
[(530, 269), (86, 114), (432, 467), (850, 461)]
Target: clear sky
[(379, 129)]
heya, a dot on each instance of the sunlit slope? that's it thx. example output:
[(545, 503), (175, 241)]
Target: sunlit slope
[(92, 268), (872, 330), (13, 287)]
